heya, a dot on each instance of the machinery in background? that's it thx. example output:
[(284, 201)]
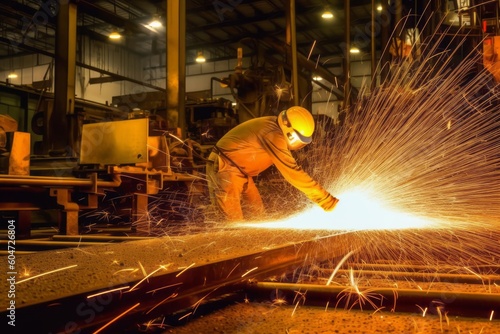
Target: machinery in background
[(14, 148), (209, 120), (263, 89), (121, 154)]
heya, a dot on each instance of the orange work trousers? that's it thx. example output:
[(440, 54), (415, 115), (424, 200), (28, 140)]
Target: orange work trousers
[(233, 193)]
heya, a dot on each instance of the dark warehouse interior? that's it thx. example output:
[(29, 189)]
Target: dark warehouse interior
[(236, 166)]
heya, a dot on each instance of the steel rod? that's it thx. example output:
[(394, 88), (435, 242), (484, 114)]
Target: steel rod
[(55, 181), (455, 303), (443, 277)]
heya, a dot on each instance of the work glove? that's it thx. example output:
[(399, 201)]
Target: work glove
[(329, 203)]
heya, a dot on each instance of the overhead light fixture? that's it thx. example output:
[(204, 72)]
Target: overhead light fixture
[(200, 58), (317, 78), (155, 23), (379, 8), (115, 35), (12, 75), (354, 50), (327, 13)]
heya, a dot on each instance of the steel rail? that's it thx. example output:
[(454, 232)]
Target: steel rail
[(165, 294)]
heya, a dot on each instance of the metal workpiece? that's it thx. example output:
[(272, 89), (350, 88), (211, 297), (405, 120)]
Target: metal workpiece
[(184, 280), (48, 181), (169, 288)]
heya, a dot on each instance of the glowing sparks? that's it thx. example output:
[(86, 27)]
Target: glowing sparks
[(185, 269), (149, 275), (312, 48), (249, 271), (174, 295), (185, 316), (424, 310), (356, 211), (341, 262), (47, 273), (353, 294), (108, 291), (414, 164), (116, 318), (130, 270), (164, 287), (26, 272)]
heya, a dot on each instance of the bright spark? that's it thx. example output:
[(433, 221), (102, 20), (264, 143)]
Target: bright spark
[(356, 211), (185, 269), (149, 275), (249, 271), (107, 291), (46, 273), (116, 318)]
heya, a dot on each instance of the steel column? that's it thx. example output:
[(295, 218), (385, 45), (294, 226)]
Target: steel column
[(347, 55), (176, 64), (59, 127), (373, 48), (291, 40)]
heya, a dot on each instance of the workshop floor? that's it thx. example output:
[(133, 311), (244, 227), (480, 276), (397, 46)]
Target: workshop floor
[(92, 268), (261, 318)]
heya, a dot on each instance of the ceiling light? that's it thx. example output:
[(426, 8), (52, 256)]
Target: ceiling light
[(115, 35), (379, 8), (327, 13), (200, 58), (12, 75), (354, 50), (155, 23), (317, 78)]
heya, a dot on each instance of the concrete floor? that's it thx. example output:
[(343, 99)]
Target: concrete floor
[(99, 267), (266, 318)]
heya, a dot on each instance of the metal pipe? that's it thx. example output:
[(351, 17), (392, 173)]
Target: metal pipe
[(416, 267), (56, 181), (49, 244), (404, 300), (443, 278), (96, 238)]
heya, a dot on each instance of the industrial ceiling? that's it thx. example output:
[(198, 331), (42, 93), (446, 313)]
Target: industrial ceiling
[(218, 27), (213, 27)]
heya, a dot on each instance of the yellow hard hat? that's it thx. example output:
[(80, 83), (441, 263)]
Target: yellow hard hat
[(297, 125)]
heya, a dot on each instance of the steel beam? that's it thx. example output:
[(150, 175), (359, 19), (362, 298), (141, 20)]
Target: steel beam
[(347, 56), (291, 41), (165, 294), (59, 129), (176, 64)]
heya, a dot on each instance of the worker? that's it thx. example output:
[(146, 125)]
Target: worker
[(250, 148)]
